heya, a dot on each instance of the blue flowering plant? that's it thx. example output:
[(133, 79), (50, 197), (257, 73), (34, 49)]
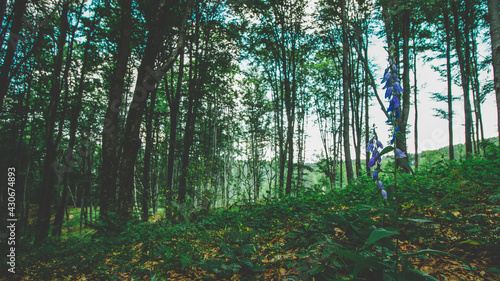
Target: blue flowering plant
[(393, 92)]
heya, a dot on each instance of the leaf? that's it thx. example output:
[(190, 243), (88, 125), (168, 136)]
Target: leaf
[(185, 260), (416, 275), (471, 242), (435, 252), (228, 252), (361, 261), (378, 234), (417, 220), (405, 163), (384, 210), (386, 150), (494, 270), (400, 136)]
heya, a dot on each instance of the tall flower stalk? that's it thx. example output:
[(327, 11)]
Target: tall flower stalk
[(393, 92)]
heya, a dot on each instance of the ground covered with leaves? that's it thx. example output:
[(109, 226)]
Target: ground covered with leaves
[(439, 224)]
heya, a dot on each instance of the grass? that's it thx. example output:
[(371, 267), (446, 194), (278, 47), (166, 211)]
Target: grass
[(343, 234)]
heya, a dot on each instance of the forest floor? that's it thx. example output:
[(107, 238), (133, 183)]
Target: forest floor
[(444, 225)]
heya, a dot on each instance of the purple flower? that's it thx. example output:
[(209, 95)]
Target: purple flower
[(388, 92), (396, 113), (371, 163), (395, 100), (379, 144), (380, 185), (384, 194), (370, 147), (387, 75), (393, 139), (375, 175), (397, 88), (391, 107), (395, 77), (400, 154)]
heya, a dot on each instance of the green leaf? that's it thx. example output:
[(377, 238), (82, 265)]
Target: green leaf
[(416, 275), (405, 163), (435, 252), (400, 136), (417, 220), (185, 260), (384, 151), (361, 261), (494, 270), (228, 252), (378, 234), (472, 242), (384, 210)]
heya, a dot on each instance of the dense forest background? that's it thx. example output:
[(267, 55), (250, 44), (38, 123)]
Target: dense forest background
[(136, 109)]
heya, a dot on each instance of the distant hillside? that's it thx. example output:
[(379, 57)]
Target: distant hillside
[(429, 157)]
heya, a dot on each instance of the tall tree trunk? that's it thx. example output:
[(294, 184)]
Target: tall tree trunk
[(416, 103), (14, 37), (146, 82), (346, 83), (110, 132), (464, 72), (48, 181), (58, 221), (173, 98), (147, 159), (451, 149), (405, 96), (494, 13)]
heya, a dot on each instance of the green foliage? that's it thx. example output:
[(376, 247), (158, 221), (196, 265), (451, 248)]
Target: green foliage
[(343, 233)]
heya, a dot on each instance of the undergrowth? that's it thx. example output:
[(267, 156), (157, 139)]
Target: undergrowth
[(337, 235)]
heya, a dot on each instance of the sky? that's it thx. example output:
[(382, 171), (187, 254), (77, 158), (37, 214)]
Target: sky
[(432, 131)]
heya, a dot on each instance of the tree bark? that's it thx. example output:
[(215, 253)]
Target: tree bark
[(464, 73), (494, 13), (174, 99), (48, 181), (346, 83), (146, 82), (451, 149), (110, 132), (14, 38), (58, 220), (147, 159)]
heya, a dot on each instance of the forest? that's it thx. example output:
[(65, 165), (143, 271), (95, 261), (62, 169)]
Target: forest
[(249, 140)]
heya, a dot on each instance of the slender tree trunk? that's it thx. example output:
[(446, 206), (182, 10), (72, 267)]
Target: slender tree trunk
[(48, 182), (110, 132), (346, 82), (192, 111), (494, 13), (416, 101), (147, 159), (451, 149), (405, 96), (173, 99), (14, 38), (146, 83), (464, 71)]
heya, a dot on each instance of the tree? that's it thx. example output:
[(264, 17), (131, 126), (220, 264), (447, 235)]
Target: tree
[(47, 187), (494, 13), (346, 82), (465, 71), (14, 38), (110, 131)]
